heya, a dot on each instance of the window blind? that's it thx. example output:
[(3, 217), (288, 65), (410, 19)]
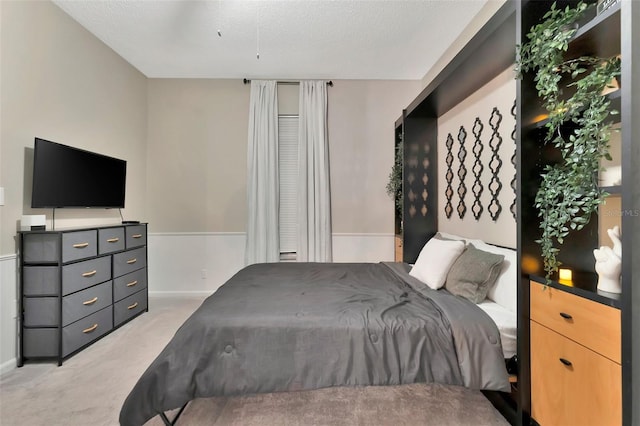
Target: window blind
[(288, 174)]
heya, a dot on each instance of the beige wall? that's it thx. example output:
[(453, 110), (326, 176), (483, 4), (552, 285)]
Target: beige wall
[(197, 155), (2, 184), (197, 152), (361, 134), (61, 83)]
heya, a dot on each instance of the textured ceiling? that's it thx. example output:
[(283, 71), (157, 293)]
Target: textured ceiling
[(296, 39)]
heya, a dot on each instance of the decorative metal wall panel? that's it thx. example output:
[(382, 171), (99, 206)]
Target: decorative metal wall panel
[(462, 173), (477, 187), (417, 179), (425, 179), (412, 163), (513, 206), (495, 185), (448, 208)]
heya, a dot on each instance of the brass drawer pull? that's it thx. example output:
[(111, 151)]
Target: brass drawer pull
[(113, 240), (565, 316), (90, 273), (565, 362), (90, 302), (130, 261), (132, 306), (81, 245), (132, 283), (90, 329), (136, 236)]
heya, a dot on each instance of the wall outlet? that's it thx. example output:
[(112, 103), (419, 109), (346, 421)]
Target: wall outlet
[(203, 274), (14, 309)]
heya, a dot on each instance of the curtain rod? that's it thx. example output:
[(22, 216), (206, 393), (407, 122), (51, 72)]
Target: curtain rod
[(247, 81)]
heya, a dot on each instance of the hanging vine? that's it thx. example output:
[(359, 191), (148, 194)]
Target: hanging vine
[(394, 185), (569, 192)]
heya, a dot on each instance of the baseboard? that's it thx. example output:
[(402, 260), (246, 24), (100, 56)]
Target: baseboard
[(8, 366)]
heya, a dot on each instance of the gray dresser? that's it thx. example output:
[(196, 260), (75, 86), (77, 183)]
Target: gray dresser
[(78, 285)]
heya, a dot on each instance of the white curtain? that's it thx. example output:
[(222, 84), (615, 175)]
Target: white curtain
[(262, 176), (314, 197)]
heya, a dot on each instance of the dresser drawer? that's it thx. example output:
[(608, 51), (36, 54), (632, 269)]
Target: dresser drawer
[(40, 248), (129, 307), (586, 392), (40, 311), (82, 303), (78, 276), (86, 330), (129, 261), (589, 323), (110, 240), (128, 284), (79, 245), (40, 280), (40, 342), (136, 236)]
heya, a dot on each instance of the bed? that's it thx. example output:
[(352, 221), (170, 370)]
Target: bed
[(298, 326), (501, 302)]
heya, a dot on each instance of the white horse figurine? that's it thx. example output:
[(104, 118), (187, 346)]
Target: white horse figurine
[(609, 263)]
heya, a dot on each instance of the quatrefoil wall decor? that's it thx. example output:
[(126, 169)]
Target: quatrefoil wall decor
[(495, 185), (462, 173), (477, 169)]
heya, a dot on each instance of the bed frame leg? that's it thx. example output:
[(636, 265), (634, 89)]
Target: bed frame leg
[(168, 422)]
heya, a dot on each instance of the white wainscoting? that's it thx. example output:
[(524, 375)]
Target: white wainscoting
[(193, 263), (199, 263), (8, 310), (363, 247)]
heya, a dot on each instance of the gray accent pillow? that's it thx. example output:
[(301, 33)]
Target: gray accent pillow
[(473, 273)]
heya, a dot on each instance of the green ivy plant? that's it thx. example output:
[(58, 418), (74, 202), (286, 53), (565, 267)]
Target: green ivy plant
[(394, 186), (576, 125)]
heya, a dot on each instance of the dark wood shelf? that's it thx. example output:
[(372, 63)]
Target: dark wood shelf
[(487, 54), (612, 190), (612, 33), (615, 98), (600, 36)]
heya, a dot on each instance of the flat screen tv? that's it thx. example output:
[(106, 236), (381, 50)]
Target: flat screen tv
[(64, 176)]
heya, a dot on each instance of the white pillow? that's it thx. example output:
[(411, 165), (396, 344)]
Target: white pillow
[(505, 291), (435, 260)]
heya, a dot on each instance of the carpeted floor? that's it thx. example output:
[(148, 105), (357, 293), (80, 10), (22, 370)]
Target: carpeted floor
[(90, 387)]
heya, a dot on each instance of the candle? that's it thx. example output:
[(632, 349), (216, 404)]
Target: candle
[(565, 274)]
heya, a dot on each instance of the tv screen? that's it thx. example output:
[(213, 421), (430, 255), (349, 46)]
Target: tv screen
[(64, 176)]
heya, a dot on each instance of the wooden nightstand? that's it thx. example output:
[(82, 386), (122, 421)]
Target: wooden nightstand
[(576, 376)]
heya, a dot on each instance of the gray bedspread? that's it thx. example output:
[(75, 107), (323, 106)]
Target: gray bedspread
[(293, 326)]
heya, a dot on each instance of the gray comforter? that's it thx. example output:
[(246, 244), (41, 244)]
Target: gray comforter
[(293, 326)]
